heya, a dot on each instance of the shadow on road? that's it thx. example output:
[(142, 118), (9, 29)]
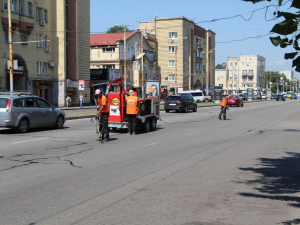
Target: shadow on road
[(278, 179)]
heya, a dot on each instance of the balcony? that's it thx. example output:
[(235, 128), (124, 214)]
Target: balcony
[(14, 20), (26, 24), (247, 74)]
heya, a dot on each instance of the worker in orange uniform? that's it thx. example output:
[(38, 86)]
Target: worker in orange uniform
[(131, 112), (224, 106), (103, 111)]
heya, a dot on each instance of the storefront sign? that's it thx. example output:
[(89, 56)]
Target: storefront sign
[(99, 74), (16, 72), (72, 84)]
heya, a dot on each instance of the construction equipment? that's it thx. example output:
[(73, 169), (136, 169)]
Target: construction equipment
[(149, 107)]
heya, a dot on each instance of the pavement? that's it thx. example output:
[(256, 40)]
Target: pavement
[(90, 111)]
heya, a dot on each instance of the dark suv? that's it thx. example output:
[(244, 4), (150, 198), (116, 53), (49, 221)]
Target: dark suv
[(280, 97), (244, 97), (180, 103)]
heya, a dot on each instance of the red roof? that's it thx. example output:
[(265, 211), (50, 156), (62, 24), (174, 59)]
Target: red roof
[(109, 38)]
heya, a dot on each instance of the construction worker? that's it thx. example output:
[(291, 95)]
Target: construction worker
[(224, 106), (131, 112), (103, 111)]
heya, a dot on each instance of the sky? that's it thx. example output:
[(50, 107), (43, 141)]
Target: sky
[(242, 28)]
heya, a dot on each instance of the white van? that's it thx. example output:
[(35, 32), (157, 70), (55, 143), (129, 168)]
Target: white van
[(197, 95)]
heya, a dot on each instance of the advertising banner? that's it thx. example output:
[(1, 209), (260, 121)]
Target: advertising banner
[(152, 89), (250, 93), (218, 93), (81, 85)]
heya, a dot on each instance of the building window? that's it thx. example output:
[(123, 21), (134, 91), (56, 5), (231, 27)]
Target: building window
[(40, 40), (14, 5), (6, 36), (172, 35), (230, 64), (171, 63), (199, 53), (39, 68), (38, 14), (230, 85), (172, 49), (5, 6), (45, 68), (21, 7), (46, 42), (108, 49), (46, 15), (29, 7), (171, 77), (251, 71), (24, 39)]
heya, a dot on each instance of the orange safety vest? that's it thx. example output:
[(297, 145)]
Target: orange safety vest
[(224, 102), (131, 105), (103, 102)]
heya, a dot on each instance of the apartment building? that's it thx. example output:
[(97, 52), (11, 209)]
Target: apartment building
[(246, 71), (288, 73), (48, 52), (221, 78), (107, 52), (186, 53)]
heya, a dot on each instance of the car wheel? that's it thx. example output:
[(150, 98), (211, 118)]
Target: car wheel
[(59, 122), (276, 99), (23, 126), (198, 101), (206, 100), (153, 124), (167, 110), (146, 126), (195, 108), (185, 109), (238, 105)]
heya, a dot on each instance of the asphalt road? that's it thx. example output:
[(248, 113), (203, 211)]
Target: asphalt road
[(194, 170)]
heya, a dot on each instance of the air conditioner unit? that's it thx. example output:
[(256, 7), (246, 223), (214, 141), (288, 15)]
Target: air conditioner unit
[(51, 64), (47, 49), (42, 22), (171, 40)]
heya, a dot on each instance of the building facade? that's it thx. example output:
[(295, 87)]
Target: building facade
[(47, 49), (246, 71), (186, 53), (221, 78), (107, 52)]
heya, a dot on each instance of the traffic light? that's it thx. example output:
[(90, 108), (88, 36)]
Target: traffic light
[(281, 87)]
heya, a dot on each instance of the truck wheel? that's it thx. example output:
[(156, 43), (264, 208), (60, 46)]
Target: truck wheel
[(146, 126), (206, 100), (153, 124)]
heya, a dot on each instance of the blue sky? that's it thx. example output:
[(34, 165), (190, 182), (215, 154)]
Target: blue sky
[(247, 34)]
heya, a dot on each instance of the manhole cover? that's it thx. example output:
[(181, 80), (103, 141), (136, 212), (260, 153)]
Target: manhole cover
[(292, 130)]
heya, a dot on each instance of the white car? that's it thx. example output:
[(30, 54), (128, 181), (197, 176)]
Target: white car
[(263, 96)]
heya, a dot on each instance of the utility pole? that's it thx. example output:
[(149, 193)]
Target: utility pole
[(176, 92), (125, 69), (11, 72), (142, 52)]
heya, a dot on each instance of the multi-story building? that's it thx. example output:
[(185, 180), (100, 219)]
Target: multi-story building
[(107, 52), (289, 74), (221, 78), (246, 71), (186, 53), (47, 48)]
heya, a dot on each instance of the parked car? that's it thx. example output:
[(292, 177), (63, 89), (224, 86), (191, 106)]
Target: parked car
[(280, 97), (24, 111), (244, 97), (235, 100), (198, 96), (293, 96), (263, 96), (180, 103), (273, 96)]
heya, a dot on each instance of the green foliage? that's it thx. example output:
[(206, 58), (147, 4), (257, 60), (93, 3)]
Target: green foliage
[(221, 66), (287, 27), (117, 29)]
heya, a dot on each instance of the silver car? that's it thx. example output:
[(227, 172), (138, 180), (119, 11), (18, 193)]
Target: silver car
[(23, 111)]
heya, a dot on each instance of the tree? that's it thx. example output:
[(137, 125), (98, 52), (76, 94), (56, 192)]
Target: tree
[(288, 26), (274, 77), (117, 29), (221, 66)]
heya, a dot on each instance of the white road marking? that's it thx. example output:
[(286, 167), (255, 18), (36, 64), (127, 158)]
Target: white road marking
[(29, 141)]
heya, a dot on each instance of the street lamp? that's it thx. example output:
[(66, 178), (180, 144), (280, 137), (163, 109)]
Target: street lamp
[(176, 92), (125, 69)]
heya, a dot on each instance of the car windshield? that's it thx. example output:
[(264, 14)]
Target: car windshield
[(173, 98), (234, 96)]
